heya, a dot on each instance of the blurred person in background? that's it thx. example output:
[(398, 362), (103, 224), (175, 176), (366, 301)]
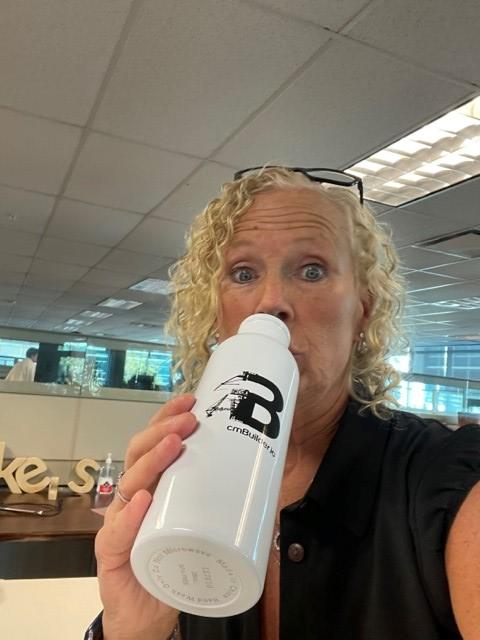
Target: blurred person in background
[(24, 371)]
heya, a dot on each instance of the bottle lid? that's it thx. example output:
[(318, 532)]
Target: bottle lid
[(266, 325), (109, 459)]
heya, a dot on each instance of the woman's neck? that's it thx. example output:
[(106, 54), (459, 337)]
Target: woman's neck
[(312, 432)]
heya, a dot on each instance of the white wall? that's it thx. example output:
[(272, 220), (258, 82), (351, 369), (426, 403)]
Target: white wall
[(64, 429)]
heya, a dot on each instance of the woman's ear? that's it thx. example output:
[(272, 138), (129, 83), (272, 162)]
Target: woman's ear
[(367, 304)]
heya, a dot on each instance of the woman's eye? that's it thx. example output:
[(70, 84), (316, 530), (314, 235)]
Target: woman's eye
[(313, 272), (242, 274)]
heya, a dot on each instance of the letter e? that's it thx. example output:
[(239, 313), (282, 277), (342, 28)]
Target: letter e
[(23, 475)]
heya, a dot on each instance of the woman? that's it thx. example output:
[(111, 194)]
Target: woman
[(367, 546)]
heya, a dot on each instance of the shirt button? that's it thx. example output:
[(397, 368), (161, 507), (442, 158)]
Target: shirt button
[(296, 552)]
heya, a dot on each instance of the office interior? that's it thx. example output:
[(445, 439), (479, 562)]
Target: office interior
[(118, 122)]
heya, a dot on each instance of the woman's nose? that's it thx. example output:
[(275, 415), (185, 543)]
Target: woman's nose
[(275, 299)]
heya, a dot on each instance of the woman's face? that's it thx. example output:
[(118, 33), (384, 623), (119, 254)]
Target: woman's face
[(290, 256)]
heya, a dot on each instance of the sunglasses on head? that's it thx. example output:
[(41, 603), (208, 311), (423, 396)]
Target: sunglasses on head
[(315, 174)]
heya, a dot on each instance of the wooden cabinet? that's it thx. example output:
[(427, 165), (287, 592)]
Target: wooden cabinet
[(57, 546)]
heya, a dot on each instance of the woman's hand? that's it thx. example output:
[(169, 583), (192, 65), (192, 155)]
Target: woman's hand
[(130, 612)]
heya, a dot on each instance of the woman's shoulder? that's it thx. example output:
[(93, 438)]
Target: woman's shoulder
[(431, 432), (436, 455), (422, 443), (429, 435)]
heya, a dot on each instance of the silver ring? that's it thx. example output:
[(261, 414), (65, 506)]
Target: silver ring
[(117, 489)]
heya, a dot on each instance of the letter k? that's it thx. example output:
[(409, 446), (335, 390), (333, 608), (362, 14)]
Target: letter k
[(7, 473)]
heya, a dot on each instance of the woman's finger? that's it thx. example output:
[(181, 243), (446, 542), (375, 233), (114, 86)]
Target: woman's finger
[(176, 405), (182, 424), (145, 471), (114, 541)]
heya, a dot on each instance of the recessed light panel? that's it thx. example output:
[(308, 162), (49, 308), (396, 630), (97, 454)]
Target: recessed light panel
[(153, 285), (438, 155), (97, 315), (116, 303), (73, 322)]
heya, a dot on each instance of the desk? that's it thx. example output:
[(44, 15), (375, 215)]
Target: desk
[(74, 519), (57, 609), (49, 547)]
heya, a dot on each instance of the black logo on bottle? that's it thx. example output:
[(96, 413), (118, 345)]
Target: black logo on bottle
[(241, 403)]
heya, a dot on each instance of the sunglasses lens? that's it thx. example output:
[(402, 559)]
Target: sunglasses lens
[(331, 176), (336, 177)]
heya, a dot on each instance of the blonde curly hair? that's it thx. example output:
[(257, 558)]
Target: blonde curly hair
[(196, 278)]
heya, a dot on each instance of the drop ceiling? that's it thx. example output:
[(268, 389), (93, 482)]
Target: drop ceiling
[(119, 120)]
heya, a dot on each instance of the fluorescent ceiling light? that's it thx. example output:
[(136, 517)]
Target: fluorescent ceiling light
[(73, 322), (116, 303), (98, 315), (146, 325), (461, 304), (447, 149), (153, 285)]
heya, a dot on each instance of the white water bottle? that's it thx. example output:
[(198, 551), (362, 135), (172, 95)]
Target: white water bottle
[(204, 543)]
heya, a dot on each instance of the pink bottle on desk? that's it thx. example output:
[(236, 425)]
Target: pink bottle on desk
[(204, 543)]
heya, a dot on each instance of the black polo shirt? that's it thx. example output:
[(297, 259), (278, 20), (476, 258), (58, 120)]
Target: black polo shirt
[(362, 555)]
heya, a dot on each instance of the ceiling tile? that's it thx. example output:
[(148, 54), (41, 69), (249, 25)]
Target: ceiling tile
[(439, 34), (417, 258), (119, 260), (50, 268), (18, 242), (377, 207), (47, 323), (411, 322), (126, 175), (25, 308), (24, 210), (467, 318), (71, 252), (378, 99), (458, 203), (424, 309), (90, 223), (61, 51), (56, 313), (449, 292), (466, 270), (79, 301), (162, 274), (332, 15), (94, 291), (35, 153), (21, 319), (36, 295), (12, 278), (437, 315), (409, 227), (8, 292), (54, 282), (158, 237), (430, 330), (152, 303), (209, 79), (11, 262), (195, 193), (114, 279)]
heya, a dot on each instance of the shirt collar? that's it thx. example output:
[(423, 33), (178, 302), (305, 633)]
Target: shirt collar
[(347, 480)]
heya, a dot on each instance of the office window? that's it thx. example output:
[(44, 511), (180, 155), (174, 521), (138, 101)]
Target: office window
[(11, 351)]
